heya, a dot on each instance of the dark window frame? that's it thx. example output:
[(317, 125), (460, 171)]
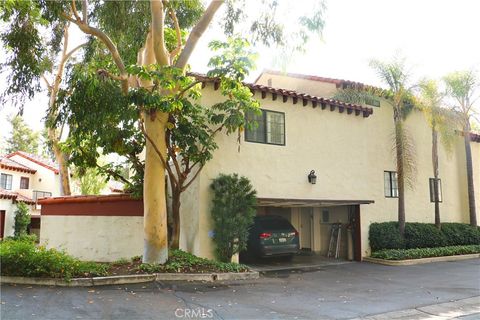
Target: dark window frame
[(6, 181), (265, 134), (22, 182), (431, 189), (391, 174)]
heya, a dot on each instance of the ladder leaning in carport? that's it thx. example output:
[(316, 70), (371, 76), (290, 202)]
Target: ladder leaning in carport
[(335, 239)]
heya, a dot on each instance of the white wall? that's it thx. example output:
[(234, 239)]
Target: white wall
[(94, 238)]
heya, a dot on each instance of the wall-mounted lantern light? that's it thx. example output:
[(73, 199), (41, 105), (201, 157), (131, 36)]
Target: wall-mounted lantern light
[(312, 178)]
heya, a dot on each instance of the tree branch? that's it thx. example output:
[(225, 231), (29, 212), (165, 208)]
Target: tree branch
[(75, 12), (84, 11), (181, 93), (193, 178), (197, 32), (161, 54), (108, 43), (178, 33)]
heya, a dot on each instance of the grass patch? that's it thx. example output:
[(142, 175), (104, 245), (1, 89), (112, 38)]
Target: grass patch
[(26, 259), (418, 253)]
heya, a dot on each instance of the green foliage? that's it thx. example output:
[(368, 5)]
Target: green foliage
[(24, 258), (31, 39), (22, 138), (423, 235), (181, 261), (234, 201), (22, 220), (385, 235), (90, 180), (460, 234), (403, 254)]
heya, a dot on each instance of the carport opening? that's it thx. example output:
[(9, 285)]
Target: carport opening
[(315, 220)]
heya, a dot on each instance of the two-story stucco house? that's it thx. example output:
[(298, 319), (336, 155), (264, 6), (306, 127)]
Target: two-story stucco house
[(349, 149), (25, 177)]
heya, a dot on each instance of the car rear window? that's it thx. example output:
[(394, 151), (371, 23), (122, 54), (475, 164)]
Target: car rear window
[(275, 224)]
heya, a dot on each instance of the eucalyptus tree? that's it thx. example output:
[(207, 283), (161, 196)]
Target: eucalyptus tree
[(37, 45), (136, 63), (461, 87), (22, 137), (441, 122)]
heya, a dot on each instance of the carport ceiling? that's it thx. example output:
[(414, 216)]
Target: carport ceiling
[(296, 203)]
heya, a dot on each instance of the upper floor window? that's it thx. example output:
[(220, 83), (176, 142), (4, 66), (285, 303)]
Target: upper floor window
[(432, 190), (6, 181), (269, 127), (391, 184), (41, 194), (24, 181)]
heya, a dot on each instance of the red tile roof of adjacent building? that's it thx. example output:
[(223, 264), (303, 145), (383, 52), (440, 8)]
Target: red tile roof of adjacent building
[(16, 197), (338, 82), (87, 198), (9, 164), (295, 96), (36, 159)]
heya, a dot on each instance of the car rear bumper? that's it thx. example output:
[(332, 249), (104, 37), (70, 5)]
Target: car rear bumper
[(279, 250)]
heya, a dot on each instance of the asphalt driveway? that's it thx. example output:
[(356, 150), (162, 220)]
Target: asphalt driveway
[(333, 292)]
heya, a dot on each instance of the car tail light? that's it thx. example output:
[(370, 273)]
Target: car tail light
[(293, 234), (265, 235)]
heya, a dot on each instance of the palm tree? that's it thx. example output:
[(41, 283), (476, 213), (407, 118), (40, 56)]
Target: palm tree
[(461, 86), (440, 121), (395, 75), (399, 96)]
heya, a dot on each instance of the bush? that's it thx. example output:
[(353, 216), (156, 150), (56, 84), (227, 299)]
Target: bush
[(421, 235), (22, 220), (402, 254), (385, 235), (233, 211), (460, 234), (23, 258), (181, 261)]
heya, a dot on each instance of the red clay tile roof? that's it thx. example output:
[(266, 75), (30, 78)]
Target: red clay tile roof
[(36, 159), (338, 82), (295, 96), (87, 198), (16, 197), (9, 164)]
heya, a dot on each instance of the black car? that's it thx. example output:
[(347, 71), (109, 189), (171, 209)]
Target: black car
[(272, 236)]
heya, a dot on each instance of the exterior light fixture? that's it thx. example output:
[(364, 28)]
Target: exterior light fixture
[(312, 178)]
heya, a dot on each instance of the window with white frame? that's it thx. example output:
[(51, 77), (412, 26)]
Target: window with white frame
[(391, 184), (266, 127), (6, 181)]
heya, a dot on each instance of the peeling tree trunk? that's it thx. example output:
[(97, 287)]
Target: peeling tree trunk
[(470, 185), (154, 201), (62, 160), (436, 197)]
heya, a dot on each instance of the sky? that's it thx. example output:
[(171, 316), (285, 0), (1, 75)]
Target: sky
[(435, 36)]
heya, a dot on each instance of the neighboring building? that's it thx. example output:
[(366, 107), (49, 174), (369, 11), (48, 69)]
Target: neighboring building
[(350, 149), (26, 178)]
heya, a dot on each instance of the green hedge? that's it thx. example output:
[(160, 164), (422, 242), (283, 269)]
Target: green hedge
[(403, 254), (25, 259), (385, 235)]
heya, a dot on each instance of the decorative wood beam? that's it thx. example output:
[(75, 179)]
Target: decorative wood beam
[(285, 98), (324, 105), (332, 107), (274, 96), (295, 100), (264, 94), (305, 102), (314, 104), (216, 85)]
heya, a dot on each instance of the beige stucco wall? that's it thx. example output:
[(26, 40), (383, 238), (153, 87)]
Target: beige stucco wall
[(94, 238), (349, 154)]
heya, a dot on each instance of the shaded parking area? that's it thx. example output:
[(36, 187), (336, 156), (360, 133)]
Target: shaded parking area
[(299, 262)]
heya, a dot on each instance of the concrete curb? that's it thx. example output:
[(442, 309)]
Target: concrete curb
[(421, 261), (441, 311), (129, 279)]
